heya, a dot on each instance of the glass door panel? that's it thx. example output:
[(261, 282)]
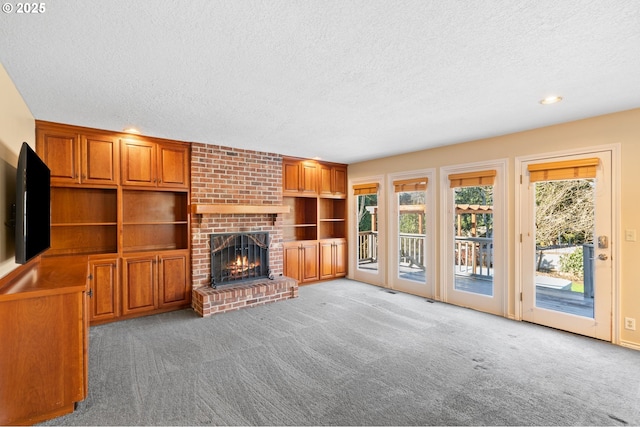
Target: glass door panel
[(412, 236), (473, 246), (564, 230), (367, 208)]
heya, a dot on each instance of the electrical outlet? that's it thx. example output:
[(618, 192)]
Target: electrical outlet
[(630, 323)]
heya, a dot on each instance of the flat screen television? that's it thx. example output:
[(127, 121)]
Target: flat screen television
[(33, 206)]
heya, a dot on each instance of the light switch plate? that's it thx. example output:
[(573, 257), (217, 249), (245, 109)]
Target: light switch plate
[(630, 235)]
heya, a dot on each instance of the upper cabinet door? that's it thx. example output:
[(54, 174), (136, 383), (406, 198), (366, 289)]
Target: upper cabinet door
[(100, 160), (290, 176), (173, 165), (152, 164), (333, 180), (339, 181), (300, 177), (138, 163), (309, 177), (59, 149)]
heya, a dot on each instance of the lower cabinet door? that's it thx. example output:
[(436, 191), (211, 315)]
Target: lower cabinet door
[(309, 257), (173, 279), (333, 258), (326, 259), (291, 253), (139, 280), (340, 259), (104, 285)]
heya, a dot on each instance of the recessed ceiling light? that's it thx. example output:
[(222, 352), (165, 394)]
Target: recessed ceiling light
[(550, 100), (131, 130)]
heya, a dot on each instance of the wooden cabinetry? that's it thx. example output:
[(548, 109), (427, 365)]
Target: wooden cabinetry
[(333, 180), (174, 279), (43, 331), (154, 164), (139, 284), (301, 223), (78, 158), (152, 282), (332, 220), (314, 230), (299, 177), (333, 258), (127, 210), (83, 220), (104, 285), (301, 260), (154, 220)]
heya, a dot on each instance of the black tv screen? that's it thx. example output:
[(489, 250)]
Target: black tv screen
[(33, 205)]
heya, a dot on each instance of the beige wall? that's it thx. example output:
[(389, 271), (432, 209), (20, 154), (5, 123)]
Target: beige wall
[(619, 128), (16, 125)]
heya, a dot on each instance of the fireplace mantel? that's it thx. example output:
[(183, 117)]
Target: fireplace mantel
[(200, 208)]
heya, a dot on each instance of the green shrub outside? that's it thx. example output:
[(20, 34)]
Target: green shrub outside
[(572, 263)]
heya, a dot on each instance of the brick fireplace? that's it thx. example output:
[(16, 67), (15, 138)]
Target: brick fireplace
[(230, 176)]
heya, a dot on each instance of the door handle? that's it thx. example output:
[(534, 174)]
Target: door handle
[(603, 257)]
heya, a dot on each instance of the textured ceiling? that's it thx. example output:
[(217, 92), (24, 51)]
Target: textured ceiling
[(343, 80)]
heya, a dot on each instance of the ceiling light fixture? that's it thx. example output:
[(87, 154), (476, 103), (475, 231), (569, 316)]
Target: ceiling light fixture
[(550, 100), (131, 130)]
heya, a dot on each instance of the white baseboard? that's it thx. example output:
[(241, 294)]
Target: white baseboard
[(632, 345)]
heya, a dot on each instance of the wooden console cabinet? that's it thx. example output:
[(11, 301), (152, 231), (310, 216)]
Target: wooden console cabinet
[(44, 336), (116, 197), (315, 229)]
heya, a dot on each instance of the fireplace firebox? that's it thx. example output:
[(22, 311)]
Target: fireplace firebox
[(237, 257)]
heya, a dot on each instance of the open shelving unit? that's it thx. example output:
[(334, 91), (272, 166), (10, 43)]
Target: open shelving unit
[(83, 221), (154, 220), (332, 218), (301, 223)]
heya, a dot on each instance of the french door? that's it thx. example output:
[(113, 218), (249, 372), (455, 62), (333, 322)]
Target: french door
[(412, 236), (368, 233), (474, 236), (566, 249)]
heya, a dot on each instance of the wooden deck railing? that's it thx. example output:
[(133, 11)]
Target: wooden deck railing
[(367, 247), (411, 247), (474, 256)]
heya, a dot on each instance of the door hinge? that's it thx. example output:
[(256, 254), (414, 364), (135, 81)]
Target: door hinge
[(90, 293), (520, 237), (520, 296), (520, 179)]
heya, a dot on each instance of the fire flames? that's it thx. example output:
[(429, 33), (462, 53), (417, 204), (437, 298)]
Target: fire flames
[(241, 264)]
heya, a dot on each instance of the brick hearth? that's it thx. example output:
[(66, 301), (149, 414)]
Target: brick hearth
[(207, 301)]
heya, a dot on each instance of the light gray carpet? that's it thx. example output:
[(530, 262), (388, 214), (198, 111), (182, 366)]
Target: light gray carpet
[(347, 353)]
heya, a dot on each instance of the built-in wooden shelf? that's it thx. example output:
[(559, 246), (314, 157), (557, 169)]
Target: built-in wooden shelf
[(238, 209)]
